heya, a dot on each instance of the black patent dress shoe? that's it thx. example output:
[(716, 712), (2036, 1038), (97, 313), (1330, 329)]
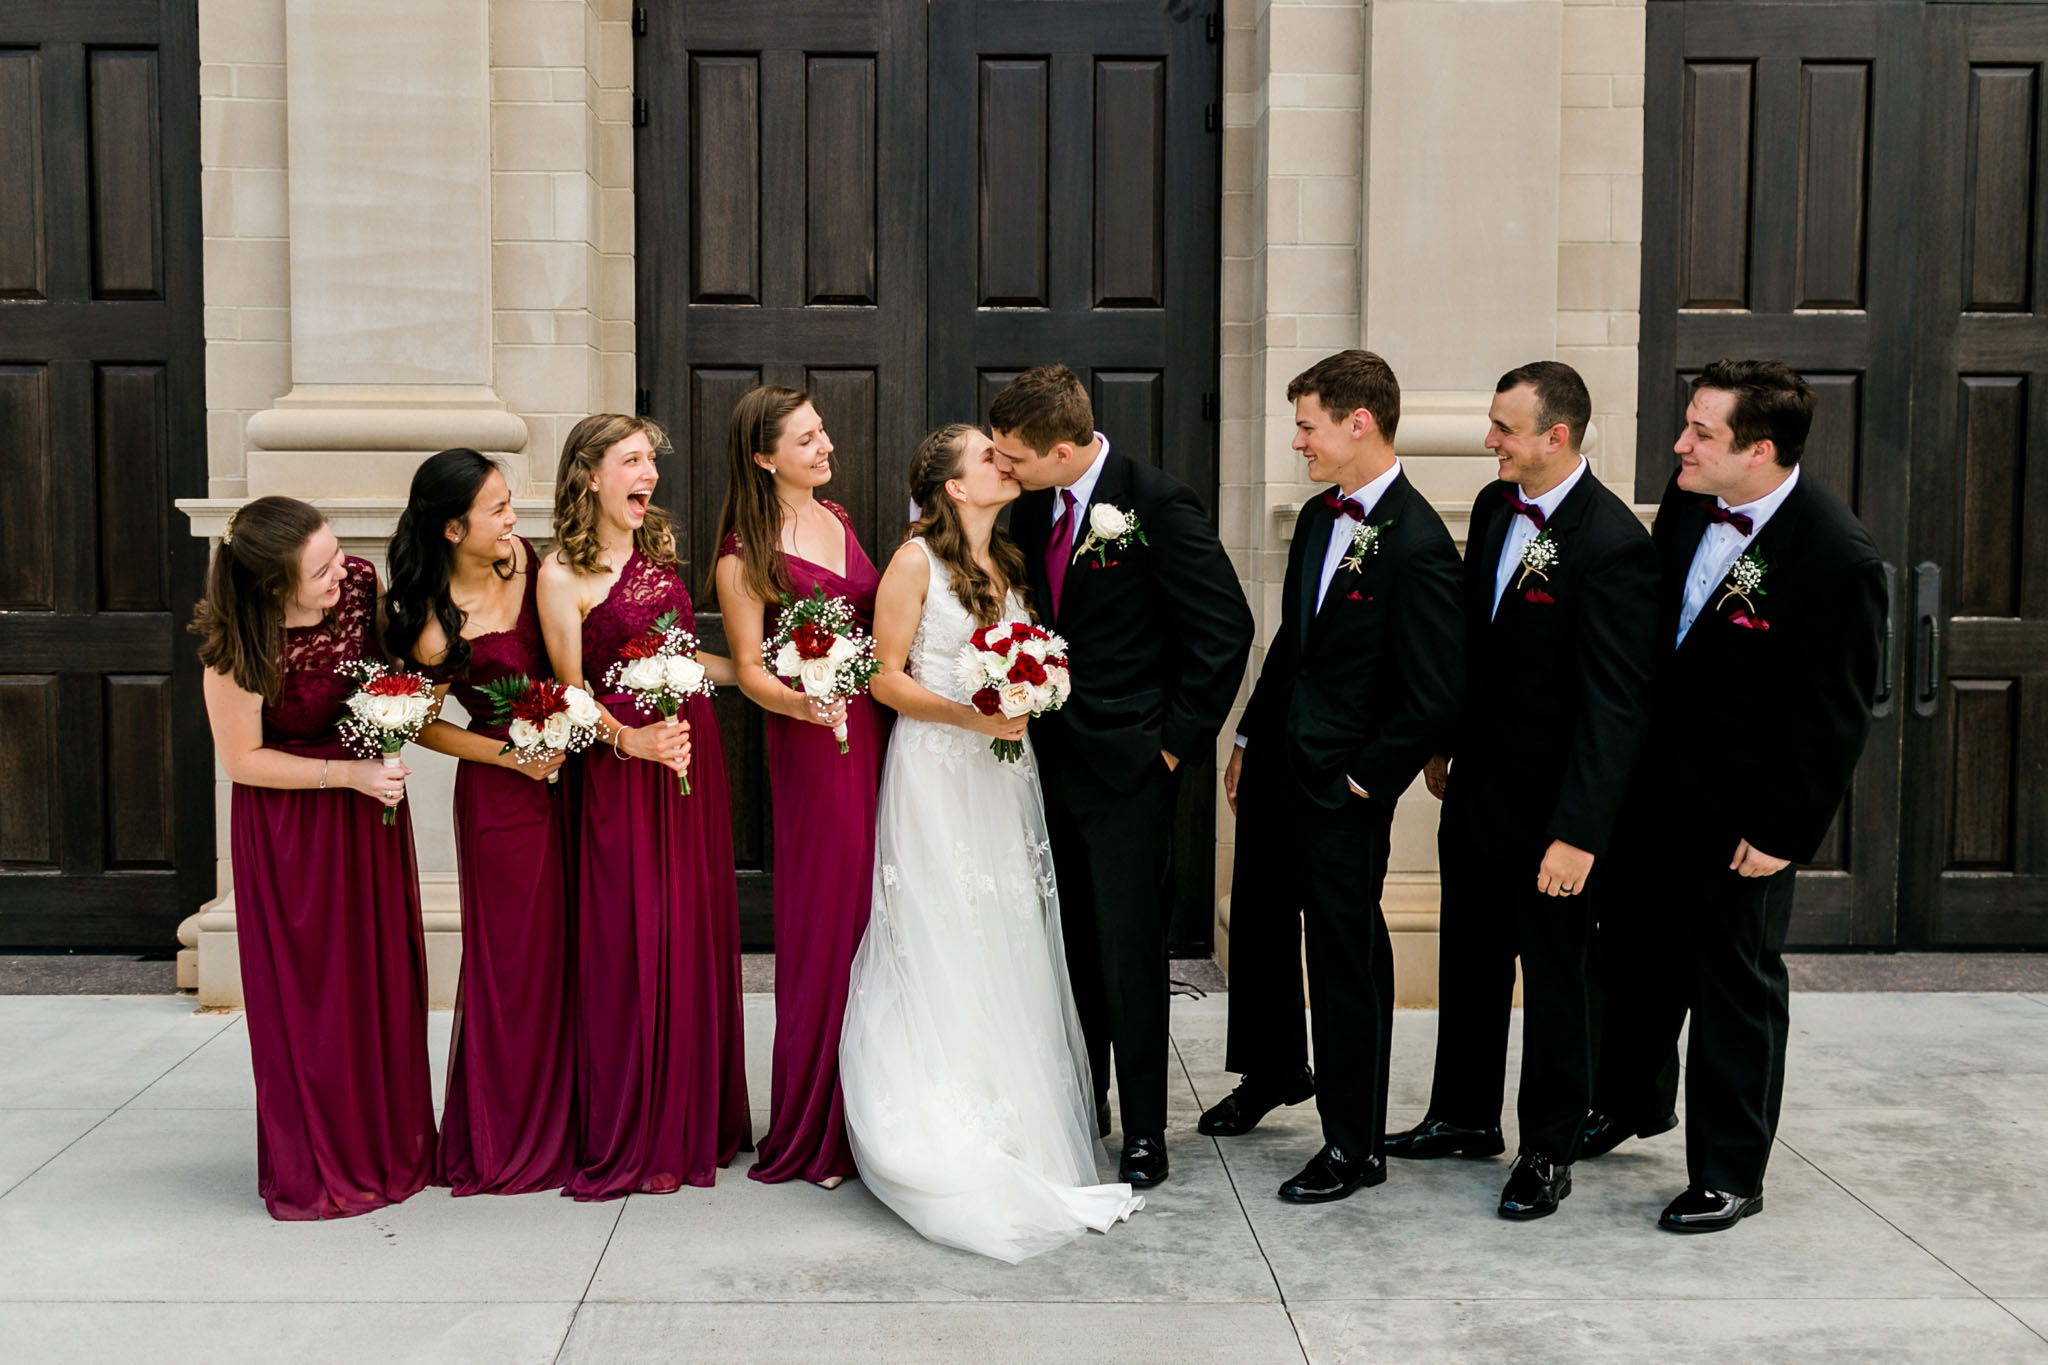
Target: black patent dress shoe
[(1102, 1117), (1604, 1132), (1330, 1174), (1699, 1210), (1535, 1187), (1240, 1111), (1144, 1163), (1434, 1138)]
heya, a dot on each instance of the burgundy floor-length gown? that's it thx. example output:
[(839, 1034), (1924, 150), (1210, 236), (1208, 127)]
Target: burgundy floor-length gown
[(660, 1057), (334, 962), (824, 808), (506, 1124)]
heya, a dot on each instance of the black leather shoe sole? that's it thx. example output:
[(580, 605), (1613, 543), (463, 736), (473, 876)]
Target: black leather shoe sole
[(1522, 1213), (1719, 1224)]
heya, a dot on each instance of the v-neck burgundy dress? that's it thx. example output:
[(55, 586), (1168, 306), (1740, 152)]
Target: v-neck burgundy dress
[(824, 813), (334, 962), (660, 1059), (506, 1123)]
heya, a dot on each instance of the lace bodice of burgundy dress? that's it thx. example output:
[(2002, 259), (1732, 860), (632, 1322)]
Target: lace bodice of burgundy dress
[(314, 692), (500, 654), (644, 591)]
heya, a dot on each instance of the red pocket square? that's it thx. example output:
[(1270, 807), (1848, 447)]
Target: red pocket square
[(1103, 564), (1539, 596), (1748, 622), (1357, 596)]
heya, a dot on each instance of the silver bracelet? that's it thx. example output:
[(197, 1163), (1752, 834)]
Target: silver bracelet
[(323, 776)]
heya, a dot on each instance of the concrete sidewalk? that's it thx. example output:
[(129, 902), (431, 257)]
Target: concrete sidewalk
[(1906, 1217)]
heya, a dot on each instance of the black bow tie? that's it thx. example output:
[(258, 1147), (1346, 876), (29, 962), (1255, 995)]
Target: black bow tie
[(1527, 509), (1344, 507), (1739, 520)]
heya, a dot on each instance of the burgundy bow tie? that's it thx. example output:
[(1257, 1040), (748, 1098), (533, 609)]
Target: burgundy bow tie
[(1739, 520), (1344, 507), (1527, 509)]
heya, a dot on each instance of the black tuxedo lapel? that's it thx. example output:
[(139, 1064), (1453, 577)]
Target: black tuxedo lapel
[(1384, 513), (1317, 530), (1109, 489), (1496, 536)]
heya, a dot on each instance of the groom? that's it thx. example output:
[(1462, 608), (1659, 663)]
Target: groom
[(1123, 563)]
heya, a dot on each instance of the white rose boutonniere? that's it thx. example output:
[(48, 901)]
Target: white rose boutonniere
[(1109, 525)]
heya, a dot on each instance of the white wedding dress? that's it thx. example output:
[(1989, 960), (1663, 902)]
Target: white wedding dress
[(968, 1101)]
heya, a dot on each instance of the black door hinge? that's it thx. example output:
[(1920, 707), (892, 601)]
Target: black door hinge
[(640, 22), (639, 112), (1209, 409), (1212, 118), (1213, 28), (643, 402)]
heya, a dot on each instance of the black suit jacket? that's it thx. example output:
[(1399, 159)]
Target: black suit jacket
[(1756, 729), (1558, 702), (1156, 634), (1366, 688)]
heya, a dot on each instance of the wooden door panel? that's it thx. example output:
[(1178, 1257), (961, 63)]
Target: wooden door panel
[(106, 818), (1975, 868), (1765, 126)]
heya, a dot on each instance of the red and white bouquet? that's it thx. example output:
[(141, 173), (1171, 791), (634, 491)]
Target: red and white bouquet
[(820, 651), (386, 713), (541, 717), (660, 671), (1015, 669)]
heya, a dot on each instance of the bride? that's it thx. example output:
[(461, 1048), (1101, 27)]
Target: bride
[(968, 1099)]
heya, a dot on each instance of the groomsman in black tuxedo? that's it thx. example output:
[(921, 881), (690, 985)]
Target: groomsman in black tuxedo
[(1769, 615), (1126, 565), (1360, 685), (1560, 627)]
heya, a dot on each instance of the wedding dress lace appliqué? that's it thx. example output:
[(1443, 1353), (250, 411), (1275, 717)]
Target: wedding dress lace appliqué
[(968, 1100)]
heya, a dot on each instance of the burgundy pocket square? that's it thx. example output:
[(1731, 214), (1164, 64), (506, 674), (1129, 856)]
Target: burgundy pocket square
[(1357, 596), (1539, 596), (1748, 622), (1103, 564)]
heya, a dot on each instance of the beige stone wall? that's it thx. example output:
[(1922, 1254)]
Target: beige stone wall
[(1455, 184)]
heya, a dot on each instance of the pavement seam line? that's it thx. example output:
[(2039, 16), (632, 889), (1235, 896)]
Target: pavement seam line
[(1238, 1195), (119, 1108), (595, 1266), (1930, 1252)]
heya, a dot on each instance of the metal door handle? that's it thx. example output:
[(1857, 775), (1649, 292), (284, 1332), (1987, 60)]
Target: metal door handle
[(1881, 700), (1926, 638)]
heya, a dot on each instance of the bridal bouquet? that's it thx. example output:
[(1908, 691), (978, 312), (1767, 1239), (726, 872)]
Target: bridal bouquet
[(386, 713), (1015, 669), (819, 651), (541, 717), (660, 671)]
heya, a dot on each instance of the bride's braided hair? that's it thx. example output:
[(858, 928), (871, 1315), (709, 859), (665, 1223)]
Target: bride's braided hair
[(938, 522)]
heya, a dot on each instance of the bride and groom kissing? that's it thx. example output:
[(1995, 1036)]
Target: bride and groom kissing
[(975, 1040)]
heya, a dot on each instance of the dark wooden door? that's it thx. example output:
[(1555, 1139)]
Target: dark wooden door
[(106, 776), (1778, 194), (1975, 866), (780, 199), (1074, 217)]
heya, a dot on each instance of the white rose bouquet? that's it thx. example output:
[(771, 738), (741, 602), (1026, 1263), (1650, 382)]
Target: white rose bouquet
[(1014, 669), (386, 713), (820, 650), (660, 671), (541, 717)]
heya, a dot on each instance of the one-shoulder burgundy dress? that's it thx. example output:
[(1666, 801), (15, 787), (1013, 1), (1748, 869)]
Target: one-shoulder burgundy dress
[(334, 965), (660, 1058), (506, 1123)]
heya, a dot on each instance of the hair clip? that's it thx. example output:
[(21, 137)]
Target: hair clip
[(227, 532)]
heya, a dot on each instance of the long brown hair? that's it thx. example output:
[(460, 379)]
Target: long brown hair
[(752, 513), (576, 507), (240, 621), (939, 458)]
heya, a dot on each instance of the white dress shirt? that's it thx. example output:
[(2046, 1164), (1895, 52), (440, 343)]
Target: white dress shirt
[(1083, 490), (1521, 530), (1368, 497), (1721, 546)]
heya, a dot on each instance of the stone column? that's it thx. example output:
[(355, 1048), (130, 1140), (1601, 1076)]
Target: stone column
[(388, 222)]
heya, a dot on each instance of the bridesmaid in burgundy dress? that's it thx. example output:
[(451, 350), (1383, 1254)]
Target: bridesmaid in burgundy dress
[(462, 606), (777, 538), (327, 899), (660, 1060)]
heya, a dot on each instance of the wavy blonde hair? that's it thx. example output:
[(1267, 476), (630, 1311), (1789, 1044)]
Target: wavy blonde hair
[(576, 507)]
